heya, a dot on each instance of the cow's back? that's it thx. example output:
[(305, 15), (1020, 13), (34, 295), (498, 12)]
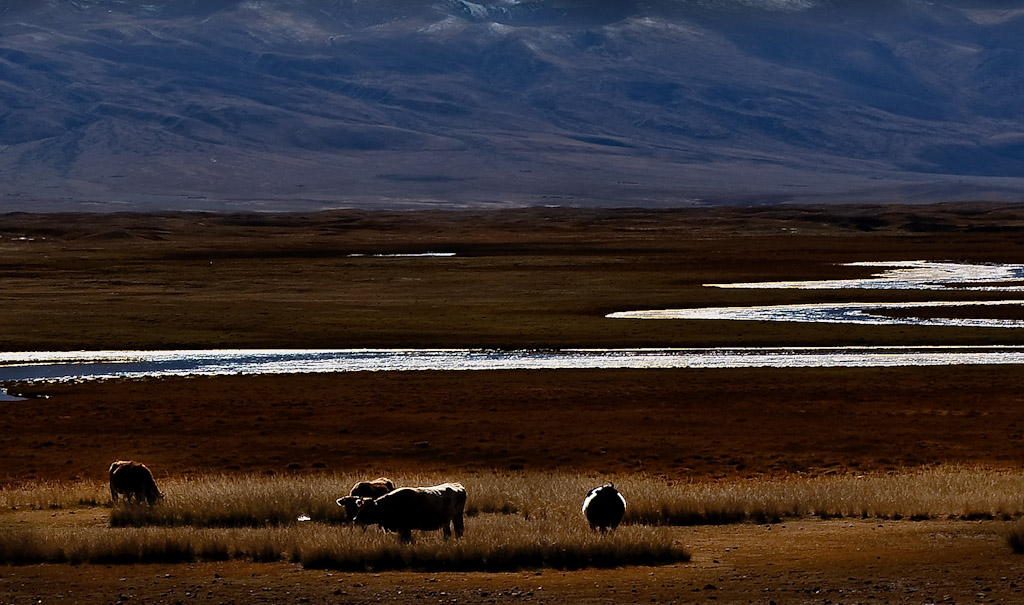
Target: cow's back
[(422, 508), (372, 489)]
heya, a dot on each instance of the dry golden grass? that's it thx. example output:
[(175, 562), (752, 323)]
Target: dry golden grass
[(55, 494), (497, 543), (960, 492), (271, 501), (519, 520), (258, 501)]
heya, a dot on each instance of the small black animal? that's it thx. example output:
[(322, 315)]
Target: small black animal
[(604, 507)]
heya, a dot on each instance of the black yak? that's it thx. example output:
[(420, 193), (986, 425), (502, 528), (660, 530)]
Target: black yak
[(604, 507), (420, 508), (134, 481)]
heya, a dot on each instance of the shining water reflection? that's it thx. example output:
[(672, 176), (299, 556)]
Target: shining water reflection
[(93, 365), (897, 275), (849, 313), (5, 396), (911, 275)]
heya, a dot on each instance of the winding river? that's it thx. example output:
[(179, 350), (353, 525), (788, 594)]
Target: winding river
[(924, 275)]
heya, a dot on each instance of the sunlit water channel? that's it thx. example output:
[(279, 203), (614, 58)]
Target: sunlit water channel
[(847, 313), (910, 275), (94, 365), (896, 275)]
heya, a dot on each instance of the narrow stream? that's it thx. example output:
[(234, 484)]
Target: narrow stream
[(895, 275), (94, 365)]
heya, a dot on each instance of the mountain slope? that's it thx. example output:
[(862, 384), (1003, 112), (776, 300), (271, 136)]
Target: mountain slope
[(290, 105)]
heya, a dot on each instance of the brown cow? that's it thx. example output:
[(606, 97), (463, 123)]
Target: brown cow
[(134, 481), (421, 508), (364, 489)]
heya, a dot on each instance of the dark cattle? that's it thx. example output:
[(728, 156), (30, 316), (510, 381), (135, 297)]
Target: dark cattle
[(604, 507), (134, 481), (351, 506), (364, 489), (372, 489), (419, 508)]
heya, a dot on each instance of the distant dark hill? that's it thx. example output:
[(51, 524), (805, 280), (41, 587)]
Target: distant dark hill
[(106, 104)]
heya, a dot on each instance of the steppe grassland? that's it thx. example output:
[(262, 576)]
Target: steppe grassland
[(277, 500), (519, 520)]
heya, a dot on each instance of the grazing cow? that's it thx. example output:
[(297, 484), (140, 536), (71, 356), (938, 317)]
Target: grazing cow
[(420, 508), (134, 481), (364, 489), (604, 507)]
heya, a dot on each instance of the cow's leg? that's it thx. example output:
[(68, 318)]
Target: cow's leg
[(405, 535), (459, 524), (447, 530), (113, 495)]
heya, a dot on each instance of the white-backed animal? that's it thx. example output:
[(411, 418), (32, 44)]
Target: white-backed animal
[(604, 507), (439, 507)]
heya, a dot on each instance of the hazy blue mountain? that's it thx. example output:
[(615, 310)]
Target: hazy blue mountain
[(300, 104)]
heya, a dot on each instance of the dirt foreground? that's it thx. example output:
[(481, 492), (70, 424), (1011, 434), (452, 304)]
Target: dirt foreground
[(837, 561), (536, 278)]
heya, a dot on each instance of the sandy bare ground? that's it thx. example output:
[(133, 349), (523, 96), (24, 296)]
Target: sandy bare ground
[(530, 278)]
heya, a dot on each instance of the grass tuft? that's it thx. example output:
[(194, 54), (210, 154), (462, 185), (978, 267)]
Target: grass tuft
[(497, 547)]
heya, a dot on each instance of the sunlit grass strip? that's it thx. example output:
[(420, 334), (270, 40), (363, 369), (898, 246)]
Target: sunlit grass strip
[(240, 501), (55, 495), (957, 492), (277, 501), (262, 501), (500, 543)]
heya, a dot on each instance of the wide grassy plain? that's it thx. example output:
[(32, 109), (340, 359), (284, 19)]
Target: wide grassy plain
[(744, 485)]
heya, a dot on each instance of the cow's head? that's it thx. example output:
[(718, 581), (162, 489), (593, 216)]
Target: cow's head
[(368, 513), (351, 506)]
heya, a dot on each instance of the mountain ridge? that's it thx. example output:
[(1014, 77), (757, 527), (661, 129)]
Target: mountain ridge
[(180, 104)]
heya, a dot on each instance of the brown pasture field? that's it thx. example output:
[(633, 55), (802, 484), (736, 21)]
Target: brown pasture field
[(520, 278)]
